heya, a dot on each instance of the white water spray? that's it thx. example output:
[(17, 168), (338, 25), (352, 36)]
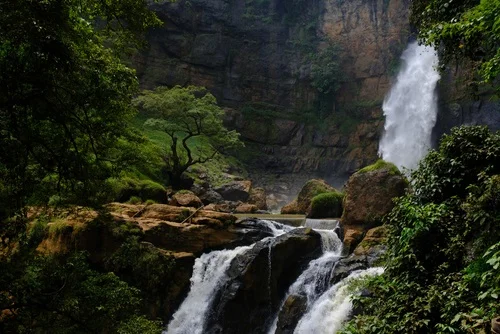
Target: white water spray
[(329, 312), (316, 278), (410, 108)]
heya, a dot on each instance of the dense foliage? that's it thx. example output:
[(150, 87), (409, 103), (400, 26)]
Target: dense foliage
[(327, 205), (464, 29), (64, 96), (193, 122), (443, 262)]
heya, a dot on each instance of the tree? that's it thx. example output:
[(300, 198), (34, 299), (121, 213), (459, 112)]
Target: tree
[(193, 121), (65, 96), (463, 30)]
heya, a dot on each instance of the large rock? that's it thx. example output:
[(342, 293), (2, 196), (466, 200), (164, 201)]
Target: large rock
[(258, 197), (307, 193), (258, 281), (186, 198), (373, 245), (369, 195), (235, 191)]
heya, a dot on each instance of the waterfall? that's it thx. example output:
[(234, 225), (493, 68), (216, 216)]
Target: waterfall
[(209, 273), (410, 108), (330, 311), (316, 278), (321, 224)]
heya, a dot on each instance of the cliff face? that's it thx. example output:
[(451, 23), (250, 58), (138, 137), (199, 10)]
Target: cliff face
[(255, 56)]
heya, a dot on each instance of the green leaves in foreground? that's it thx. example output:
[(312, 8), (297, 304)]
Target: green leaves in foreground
[(443, 265)]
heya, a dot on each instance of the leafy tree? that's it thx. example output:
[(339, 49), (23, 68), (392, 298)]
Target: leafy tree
[(463, 30), (325, 69), (442, 267), (65, 96), (193, 121)]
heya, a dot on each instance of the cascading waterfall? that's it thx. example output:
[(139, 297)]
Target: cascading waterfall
[(315, 279), (321, 224), (410, 108), (209, 273), (329, 311)]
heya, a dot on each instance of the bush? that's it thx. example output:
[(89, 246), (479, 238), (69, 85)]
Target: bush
[(442, 263), (134, 200), (326, 205), (125, 188)]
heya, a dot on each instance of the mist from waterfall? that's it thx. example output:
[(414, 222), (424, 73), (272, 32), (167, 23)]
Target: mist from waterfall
[(410, 108)]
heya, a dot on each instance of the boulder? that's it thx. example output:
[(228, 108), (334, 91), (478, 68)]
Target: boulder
[(258, 197), (259, 279), (326, 205), (235, 191), (347, 265), (373, 244), (369, 195), (211, 196), (309, 190), (352, 237), (246, 208), (186, 198), (291, 208), (293, 309)]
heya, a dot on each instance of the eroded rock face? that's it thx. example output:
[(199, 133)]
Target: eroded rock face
[(258, 198), (373, 244), (246, 53), (368, 197), (244, 304)]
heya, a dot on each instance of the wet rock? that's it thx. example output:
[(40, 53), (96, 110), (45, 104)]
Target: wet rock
[(291, 208), (256, 285), (235, 191), (293, 309), (347, 265), (351, 238), (186, 198)]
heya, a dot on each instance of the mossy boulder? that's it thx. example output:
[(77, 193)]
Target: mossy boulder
[(311, 189), (326, 205), (125, 188), (369, 195)]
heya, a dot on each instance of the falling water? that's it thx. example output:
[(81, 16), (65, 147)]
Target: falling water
[(316, 278), (209, 273), (329, 312), (410, 108)]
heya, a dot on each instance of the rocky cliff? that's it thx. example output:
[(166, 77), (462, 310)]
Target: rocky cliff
[(255, 56)]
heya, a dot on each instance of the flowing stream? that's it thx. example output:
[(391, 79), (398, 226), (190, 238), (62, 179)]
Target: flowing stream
[(410, 108)]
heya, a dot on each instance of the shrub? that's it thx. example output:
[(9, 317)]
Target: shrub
[(134, 200), (125, 188), (326, 205)]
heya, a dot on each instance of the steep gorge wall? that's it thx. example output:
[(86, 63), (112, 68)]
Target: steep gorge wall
[(254, 56)]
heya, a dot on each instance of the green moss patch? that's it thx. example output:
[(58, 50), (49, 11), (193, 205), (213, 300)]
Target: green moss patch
[(381, 164)]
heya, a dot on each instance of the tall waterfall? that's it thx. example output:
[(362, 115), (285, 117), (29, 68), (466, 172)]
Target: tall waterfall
[(410, 108)]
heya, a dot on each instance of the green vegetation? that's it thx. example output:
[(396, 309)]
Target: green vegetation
[(442, 266), (381, 164), (327, 205), (463, 30), (326, 73), (186, 114)]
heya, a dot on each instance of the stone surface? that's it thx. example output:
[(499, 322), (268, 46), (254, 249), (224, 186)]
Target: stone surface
[(246, 294), (291, 312), (250, 54), (246, 208), (347, 265), (309, 190), (235, 191), (186, 198), (352, 237), (258, 197), (211, 197), (373, 244), (369, 196)]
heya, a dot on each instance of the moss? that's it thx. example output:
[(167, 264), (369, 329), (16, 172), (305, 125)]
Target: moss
[(381, 164), (327, 205), (129, 188)]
